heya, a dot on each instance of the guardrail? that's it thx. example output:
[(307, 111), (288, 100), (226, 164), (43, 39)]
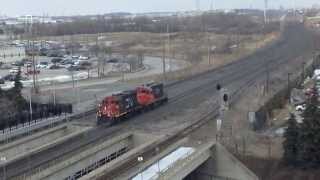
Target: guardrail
[(29, 127)]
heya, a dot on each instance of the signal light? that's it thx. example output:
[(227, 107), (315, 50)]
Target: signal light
[(218, 87), (225, 97)]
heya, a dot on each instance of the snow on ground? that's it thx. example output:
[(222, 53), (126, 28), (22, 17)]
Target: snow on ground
[(153, 66), (164, 164)]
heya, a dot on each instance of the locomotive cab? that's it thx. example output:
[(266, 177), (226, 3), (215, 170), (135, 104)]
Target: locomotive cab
[(108, 109), (145, 96), (114, 107), (150, 93), (128, 103)]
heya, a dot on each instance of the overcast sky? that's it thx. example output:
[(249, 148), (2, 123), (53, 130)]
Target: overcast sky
[(75, 7)]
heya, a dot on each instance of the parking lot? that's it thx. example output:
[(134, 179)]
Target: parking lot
[(45, 68), (50, 65), (57, 66)]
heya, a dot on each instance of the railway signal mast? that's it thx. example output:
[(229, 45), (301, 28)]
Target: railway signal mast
[(224, 106)]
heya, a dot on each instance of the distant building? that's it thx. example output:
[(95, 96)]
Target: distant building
[(27, 19)]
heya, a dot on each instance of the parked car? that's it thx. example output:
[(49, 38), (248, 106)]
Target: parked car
[(43, 52), (84, 57), (9, 77), (114, 60), (2, 81), (54, 54), (14, 70), (301, 108), (31, 71), (42, 65), (29, 64), (74, 68), (6, 66), (17, 63), (25, 60), (84, 63), (53, 66), (56, 60), (66, 62)]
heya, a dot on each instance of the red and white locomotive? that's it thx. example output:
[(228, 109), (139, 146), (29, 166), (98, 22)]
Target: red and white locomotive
[(127, 103)]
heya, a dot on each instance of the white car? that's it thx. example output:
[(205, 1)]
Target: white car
[(83, 58), (42, 65), (301, 108), (14, 70)]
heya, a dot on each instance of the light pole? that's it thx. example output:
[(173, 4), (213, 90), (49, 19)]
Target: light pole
[(265, 11), (140, 160), (54, 92), (289, 74), (267, 77), (30, 105), (164, 59), (158, 163), (303, 71), (169, 46), (3, 161)]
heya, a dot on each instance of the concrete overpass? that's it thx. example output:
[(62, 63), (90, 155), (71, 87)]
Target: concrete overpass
[(205, 160)]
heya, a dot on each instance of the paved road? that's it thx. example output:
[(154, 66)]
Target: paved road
[(295, 42)]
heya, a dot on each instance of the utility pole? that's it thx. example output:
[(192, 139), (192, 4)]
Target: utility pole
[(267, 77), (289, 74), (34, 67), (30, 106), (198, 5), (34, 77), (265, 11), (303, 71), (3, 160), (209, 44), (294, 7), (169, 46), (211, 6), (54, 93), (164, 58)]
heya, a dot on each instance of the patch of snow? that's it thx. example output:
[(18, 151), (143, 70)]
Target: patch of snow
[(164, 164)]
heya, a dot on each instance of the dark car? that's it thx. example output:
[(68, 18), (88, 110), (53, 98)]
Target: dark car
[(74, 68), (114, 60), (2, 81), (17, 63), (9, 77), (55, 54), (43, 52), (56, 60), (67, 61), (25, 60), (53, 66)]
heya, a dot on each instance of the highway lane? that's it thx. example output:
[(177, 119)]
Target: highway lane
[(296, 41)]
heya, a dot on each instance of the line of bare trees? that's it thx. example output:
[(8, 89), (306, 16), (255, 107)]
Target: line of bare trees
[(214, 22)]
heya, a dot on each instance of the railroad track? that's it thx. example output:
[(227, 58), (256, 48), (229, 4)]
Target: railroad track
[(232, 73), (151, 151), (280, 61)]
